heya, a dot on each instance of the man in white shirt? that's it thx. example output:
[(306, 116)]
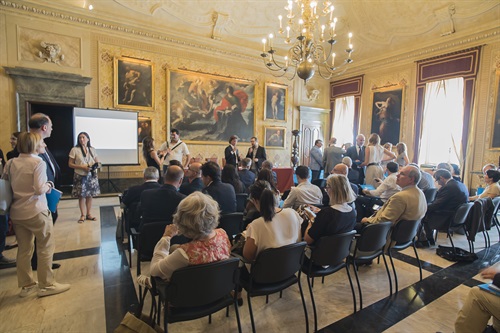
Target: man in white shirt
[(386, 189), (174, 150), (305, 192)]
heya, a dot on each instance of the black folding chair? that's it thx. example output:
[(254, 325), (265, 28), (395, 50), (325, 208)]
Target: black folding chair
[(232, 223), (430, 194), (241, 201)]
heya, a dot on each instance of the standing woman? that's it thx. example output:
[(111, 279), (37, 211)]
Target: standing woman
[(85, 183), (31, 217), (402, 158), (151, 156), (13, 142), (374, 154)]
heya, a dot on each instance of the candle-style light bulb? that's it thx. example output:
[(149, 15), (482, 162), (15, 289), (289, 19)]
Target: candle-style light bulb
[(271, 40), (350, 36), (331, 12), (264, 45), (333, 60), (287, 31), (286, 61), (280, 18)]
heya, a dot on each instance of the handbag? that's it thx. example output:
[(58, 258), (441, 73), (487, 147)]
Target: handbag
[(138, 322), (5, 193)]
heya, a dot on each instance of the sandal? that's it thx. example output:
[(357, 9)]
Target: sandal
[(82, 219), (90, 217)]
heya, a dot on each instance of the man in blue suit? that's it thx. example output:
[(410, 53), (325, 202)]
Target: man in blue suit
[(357, 155), (316, 159), (450, 196), (221, 192)]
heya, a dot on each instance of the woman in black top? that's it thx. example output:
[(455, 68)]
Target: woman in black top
[(337, 218), (230, 176), (150, 155)]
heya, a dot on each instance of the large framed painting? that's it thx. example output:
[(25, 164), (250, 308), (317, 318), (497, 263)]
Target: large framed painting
[(144, 128), (276, 97), (495, 134), (208, 108), (275, 137), (133, 84), (387, 104)]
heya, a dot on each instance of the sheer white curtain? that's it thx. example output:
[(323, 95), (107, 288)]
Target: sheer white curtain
[(442, 123), (343, 122)]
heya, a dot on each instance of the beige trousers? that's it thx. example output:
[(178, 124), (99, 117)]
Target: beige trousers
[(40, 227), (478, 308)]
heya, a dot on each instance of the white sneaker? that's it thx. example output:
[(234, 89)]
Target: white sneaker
[(26, 291), (56, 288)]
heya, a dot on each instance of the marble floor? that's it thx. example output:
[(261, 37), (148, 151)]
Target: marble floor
[(103, 288)]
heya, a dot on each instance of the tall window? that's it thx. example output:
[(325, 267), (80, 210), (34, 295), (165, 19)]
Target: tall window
[(442, 122), (343, 121)]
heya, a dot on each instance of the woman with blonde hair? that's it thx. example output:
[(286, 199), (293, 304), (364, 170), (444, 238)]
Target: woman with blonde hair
[(374, 154), (402, 159), (31, 217), (337, 218)]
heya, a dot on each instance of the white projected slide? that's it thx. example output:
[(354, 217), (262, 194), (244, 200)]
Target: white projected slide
[(112, 133)]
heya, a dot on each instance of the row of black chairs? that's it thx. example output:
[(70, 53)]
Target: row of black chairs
[(187, 297)]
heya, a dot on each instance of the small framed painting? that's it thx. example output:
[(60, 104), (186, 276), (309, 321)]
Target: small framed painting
[(275, 137), (144, 128), (276, 97), (387, 105), (133, 84)]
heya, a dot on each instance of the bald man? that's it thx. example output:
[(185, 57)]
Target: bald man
[(192, 182)]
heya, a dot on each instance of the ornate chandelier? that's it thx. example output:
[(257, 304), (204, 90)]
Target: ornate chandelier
[(309, 51)]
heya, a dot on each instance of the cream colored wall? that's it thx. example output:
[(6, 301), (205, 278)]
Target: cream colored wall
[(90, 50)]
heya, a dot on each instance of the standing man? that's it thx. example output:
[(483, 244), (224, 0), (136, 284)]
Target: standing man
[(231, 153), (316, 159), (357, 155), (174, 150), (333, 155), (257, 154), (40, 123)]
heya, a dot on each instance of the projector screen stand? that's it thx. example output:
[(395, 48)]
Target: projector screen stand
[(110, 183)]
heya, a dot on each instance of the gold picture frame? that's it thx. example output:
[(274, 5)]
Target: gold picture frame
[(275, 137), (495, 128), (387, 111), (134, 84), (275, 102), (208, 109), (144, 128)]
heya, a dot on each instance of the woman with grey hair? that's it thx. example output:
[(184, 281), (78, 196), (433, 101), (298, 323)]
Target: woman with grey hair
[(196, 218)]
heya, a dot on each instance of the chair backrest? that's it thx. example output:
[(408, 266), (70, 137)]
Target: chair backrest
[(232, 223), (496, 204), (332, 250), (373, 237), (132, 216), (151, 233), (430, 194), (241, 201), (199, 285), (462, 213), (405, 231), (321, 183), (275, 265)]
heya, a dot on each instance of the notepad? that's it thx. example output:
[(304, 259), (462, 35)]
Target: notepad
[(53, 198), (367, 187), (491, 288)]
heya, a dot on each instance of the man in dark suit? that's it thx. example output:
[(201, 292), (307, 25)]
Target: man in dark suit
[(160, 204), (257, 154), (247, 177), (192, 182), (231, 153), (40, 123), (450, 196), (357, 155), (222, 193)]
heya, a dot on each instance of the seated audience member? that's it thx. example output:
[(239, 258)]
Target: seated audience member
[(192, 182), (426, 180), (230, 176), (175, 162), (450, 196), (408, 204), (492, 190), (222, 193), (456, 172), (133, 194), (265, 174), (160, 204), (247, 177), (304, 193), (352, 175), (342, 169), (489, 166), (479, 306), (269, 166), (337, 218), (251, 212), (196, 218), (386, 189)]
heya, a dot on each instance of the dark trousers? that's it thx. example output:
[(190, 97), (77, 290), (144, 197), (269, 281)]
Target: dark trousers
[(4, 227), (364, 206), (315, 174), (434, 221), (34, 259)]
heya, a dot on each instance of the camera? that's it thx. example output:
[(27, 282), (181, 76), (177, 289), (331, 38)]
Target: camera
[(93, 169)]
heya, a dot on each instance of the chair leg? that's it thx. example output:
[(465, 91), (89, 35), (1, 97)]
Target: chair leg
[(451, 241), (359, 285), (389, 252), (251, 312), (312, 282), (281, 294), (418, 259), (496, 223), (313, 303), (236, 310), (210, 318), (303, 303), (323, 280), (267, 299), (352, 287), (227, 311), (388, 273)]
